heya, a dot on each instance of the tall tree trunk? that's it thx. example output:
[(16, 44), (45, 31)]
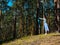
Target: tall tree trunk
[(49, 18), (0, 29), (0, 19), (58, 22), (14, 34), (21, 27), (37, 17), (57, 14)]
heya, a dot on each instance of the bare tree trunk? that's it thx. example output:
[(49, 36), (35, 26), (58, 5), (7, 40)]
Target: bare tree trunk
[(21, 27), (37, 18), (0, 29), (49, 18), (0, 18), (57, 6), (14, 34), (32, 27), (58, 23)]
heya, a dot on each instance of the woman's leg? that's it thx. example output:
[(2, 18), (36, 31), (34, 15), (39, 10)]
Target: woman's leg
[(45, 32)]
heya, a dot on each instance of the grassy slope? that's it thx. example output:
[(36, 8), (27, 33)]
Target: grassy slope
[(28, 39)]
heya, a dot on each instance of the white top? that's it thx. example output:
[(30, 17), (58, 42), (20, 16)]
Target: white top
[(44, 20)]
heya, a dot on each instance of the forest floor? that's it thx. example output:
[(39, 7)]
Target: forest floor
[(49, 39)]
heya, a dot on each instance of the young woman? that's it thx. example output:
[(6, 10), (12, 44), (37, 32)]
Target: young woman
[(45, 24)]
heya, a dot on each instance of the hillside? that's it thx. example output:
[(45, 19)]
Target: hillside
[(50, 39)]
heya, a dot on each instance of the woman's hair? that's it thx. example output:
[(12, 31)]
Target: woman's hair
[(44, 16)]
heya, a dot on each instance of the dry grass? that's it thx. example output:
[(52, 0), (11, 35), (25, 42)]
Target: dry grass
[(32, 40)]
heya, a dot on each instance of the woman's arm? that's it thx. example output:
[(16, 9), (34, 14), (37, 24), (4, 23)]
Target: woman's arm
[(41, 18)]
